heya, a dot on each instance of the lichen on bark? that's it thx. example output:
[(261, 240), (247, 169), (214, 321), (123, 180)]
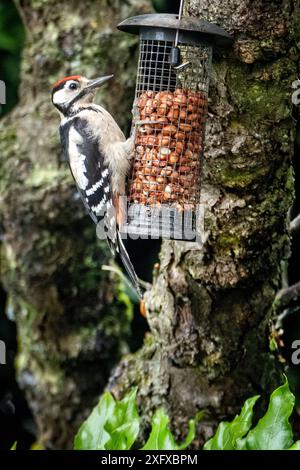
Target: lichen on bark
[(72, 318), (210, 306)]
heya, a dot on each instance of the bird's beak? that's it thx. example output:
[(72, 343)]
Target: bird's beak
[(97, 82)]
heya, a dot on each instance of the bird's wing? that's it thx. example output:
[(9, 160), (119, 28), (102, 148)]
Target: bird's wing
[(91, 174)]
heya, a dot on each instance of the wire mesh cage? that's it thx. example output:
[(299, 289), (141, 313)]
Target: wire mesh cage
[(170, 110)]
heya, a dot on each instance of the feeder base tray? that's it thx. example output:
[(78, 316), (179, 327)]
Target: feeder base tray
[(166, 222)]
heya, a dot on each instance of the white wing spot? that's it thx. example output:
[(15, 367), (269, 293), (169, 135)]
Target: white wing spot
[(98, 208), (94, 188)]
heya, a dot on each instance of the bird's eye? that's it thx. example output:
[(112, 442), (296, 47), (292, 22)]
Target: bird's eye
[(73, 86)]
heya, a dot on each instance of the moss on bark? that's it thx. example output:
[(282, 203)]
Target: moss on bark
[(72, 319), (210, 306)]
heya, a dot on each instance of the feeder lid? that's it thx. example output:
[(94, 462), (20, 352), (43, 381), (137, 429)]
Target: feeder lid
[(189, 24)]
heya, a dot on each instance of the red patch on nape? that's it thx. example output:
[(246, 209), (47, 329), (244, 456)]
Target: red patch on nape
[(72, 77)]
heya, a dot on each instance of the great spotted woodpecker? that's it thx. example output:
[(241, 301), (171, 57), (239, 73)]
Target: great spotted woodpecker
[(98, 155)]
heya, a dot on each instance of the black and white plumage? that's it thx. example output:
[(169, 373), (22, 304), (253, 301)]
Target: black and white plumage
[(99, 158)]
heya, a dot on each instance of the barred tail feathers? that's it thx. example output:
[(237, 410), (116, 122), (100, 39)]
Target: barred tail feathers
[(128, 266)]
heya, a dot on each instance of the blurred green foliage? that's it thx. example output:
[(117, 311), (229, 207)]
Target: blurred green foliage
[(12, 36), (114, 425)]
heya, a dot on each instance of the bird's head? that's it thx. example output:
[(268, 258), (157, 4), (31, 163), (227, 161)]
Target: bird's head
[(75, 91)]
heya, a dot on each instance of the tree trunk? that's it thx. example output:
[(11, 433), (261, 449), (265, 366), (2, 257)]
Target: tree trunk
[(72, 319), (210, 306)]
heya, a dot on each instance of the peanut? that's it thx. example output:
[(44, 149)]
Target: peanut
[(193, 117), (160, 163), (188, 154), (169, 130), (184, 182), (163, 156), (153, 187), (166, 97), (137, 186), (173, 158), (190, 146), (164, 152), (148, 110), (162, 109), (147, 129), (149, 93), (174, 175), (149, 170), (168, 191), (180, 99), (192, 108), (167, 148), (173, 114), (164, 141), (185, 127), (162, 121), (149, 140), (140, 149), (184, 169), (167, 171), (142, 102), (183, 115), (179, 136), (150, 153), (179, 147), (168, 103)]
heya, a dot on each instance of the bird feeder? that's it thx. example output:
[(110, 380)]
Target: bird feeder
[(169, 115)]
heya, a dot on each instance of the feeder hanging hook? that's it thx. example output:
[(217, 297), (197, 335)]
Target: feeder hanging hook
[(175, 51)]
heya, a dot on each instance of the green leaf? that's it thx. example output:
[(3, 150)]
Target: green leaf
[(14, 446), (161, 437), (112, 425), (228, 435), (295, 446), (273, 431)]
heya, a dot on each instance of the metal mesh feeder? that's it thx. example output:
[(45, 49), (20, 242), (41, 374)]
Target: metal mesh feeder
[(170, 111)]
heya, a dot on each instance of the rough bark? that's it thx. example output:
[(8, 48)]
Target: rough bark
[(210, 305), (72, 319)]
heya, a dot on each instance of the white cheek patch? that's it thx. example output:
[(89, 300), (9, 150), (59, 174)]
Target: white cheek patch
[(60, 96)]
